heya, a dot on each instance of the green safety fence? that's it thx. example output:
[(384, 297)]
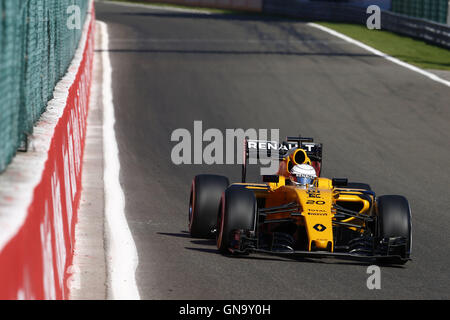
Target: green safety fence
[(38, 39), (435, 10)]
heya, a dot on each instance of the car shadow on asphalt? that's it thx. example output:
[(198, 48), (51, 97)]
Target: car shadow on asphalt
[(183, 234), (271, 257)]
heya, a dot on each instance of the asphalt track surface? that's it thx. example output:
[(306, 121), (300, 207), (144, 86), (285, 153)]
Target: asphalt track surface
[(380, 123)]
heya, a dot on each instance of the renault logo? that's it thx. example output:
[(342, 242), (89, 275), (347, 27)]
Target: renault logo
[(319, 227)]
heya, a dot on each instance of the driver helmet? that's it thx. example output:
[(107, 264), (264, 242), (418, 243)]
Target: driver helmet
[(303, 174)]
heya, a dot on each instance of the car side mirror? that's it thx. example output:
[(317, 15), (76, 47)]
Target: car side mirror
[(271, 178), (339, 182)]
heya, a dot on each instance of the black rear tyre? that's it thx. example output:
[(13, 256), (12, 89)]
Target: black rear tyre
[(394, 220), (238, 211), (206, 191)]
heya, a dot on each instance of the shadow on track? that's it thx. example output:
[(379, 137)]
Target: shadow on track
[(225, 16), (271, 257), (239, 52)]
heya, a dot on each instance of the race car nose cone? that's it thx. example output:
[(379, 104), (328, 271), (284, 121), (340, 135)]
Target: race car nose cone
[(319, 227)]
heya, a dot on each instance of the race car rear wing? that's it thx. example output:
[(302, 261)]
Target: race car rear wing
[(265, 149)]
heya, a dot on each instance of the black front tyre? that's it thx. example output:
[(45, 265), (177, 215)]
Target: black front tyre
[(394, 220), (206, 191), (238, 212)]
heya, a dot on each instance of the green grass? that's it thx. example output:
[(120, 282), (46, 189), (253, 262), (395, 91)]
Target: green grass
[(407, 49)]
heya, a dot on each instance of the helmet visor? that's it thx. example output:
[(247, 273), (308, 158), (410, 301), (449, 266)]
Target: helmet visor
[(303, 180)]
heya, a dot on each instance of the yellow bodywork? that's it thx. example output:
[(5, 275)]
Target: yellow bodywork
[(316, 205)]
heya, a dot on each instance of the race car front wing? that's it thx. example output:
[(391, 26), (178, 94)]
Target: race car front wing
[(364, 247)]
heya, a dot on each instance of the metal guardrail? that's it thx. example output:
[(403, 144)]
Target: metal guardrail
[(430, 32), (318, 11)]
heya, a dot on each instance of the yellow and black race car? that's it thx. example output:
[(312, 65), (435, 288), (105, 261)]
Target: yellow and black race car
[(327, 217)]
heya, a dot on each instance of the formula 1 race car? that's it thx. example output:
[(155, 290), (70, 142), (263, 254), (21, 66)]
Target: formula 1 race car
[(327, 217)]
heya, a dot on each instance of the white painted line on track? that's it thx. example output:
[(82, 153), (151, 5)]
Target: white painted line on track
[(121, 252), (381, 54)]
